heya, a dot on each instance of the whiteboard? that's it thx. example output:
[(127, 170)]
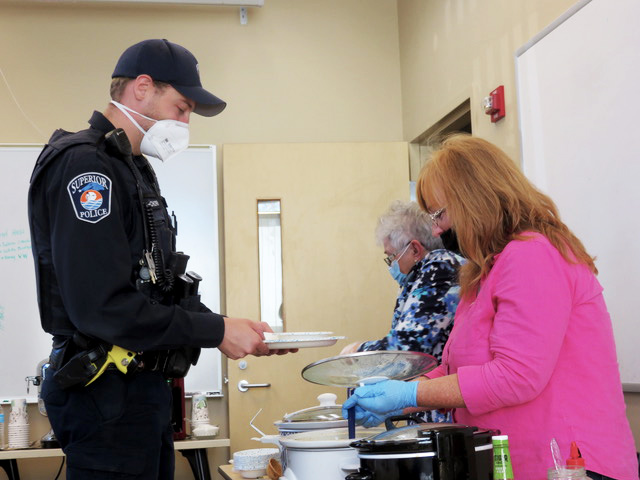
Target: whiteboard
[(578, 94), (23, 344)]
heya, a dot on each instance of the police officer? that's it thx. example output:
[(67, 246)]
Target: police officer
[(108, 275)]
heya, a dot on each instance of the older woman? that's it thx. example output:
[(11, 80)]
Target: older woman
[(427, 276), (428, 297), (532, 350)]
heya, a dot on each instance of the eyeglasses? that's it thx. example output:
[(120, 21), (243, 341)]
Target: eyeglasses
[(437, 216), (390, 258)]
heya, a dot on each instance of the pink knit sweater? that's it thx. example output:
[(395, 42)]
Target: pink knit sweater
[(535, 358)]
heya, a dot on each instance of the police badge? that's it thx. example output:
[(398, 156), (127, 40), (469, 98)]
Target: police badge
[(90, 195)]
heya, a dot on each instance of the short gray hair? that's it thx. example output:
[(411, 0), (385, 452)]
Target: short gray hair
[(403, 222)]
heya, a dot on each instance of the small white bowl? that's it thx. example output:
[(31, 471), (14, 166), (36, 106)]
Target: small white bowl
[(253, 473), (205, 431)]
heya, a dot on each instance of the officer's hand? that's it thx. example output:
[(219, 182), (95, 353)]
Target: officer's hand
[(262, 327), (241, 338)]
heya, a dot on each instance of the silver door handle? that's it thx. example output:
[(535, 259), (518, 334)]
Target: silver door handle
[(243, 385)]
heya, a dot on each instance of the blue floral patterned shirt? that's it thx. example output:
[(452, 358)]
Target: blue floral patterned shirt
[(424, 311)]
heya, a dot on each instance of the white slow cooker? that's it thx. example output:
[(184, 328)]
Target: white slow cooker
[(314, 442), (321, 454)]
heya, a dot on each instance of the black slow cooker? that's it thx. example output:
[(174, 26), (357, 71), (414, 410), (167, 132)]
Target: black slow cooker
[(433, 451)]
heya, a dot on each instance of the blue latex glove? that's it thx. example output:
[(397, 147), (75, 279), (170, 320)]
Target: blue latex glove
[(385, 398), (370, 419)]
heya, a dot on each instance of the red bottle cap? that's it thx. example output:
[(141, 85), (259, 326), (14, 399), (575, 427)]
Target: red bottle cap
[(575, 460)]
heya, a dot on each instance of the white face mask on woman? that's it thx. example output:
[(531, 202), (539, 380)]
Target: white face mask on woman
[(165, 138)]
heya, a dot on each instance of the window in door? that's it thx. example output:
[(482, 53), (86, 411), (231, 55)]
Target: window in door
[(270, 258)]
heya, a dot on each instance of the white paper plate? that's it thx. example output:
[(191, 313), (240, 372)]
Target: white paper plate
[(278, 341)]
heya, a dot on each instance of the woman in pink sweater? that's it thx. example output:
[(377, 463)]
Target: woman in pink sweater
[(532, 350)]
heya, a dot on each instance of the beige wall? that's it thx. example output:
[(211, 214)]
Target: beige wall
[(454, 50), (300, 71)]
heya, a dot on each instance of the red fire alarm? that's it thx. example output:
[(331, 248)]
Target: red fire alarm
[(494, 104)]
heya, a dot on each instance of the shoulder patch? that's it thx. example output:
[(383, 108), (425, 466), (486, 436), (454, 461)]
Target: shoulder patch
[(90, 195)]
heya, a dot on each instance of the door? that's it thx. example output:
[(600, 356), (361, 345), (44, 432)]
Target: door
[(333, 276)]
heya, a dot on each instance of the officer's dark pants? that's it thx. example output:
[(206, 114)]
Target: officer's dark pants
[(117, 427)]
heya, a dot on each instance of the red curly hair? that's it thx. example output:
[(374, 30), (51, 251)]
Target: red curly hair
[(490, 203)]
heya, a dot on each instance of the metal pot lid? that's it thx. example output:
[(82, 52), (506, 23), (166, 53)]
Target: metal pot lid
[(418, 432), (367, 367), (327, 411), (303, 426), (328, 438), (423, 437)]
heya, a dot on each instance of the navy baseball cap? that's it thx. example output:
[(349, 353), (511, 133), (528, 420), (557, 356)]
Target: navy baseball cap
[(169, 63)]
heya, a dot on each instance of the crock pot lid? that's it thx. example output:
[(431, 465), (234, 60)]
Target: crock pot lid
[(329, 438), (356, 368), (315, 414), (304, 426), (421, 433)]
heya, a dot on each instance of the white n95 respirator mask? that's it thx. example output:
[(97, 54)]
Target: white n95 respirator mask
[(165, 138)]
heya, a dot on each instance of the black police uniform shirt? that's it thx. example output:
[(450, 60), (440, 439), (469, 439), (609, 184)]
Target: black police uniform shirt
[(87, 236)]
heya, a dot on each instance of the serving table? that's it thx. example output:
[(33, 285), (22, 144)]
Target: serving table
[(195, 451), (228, 474)]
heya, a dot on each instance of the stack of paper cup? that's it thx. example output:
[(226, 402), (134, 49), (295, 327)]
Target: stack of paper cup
[(199, 411), (18, 424)]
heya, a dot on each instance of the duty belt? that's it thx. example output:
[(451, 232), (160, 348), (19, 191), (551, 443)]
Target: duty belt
[(153, 361), (146, 361)]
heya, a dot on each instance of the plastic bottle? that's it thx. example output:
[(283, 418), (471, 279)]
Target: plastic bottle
[(573, 469), (567, 473), (502, 469), (575, 458)]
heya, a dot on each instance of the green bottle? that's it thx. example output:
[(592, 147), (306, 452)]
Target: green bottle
[(502, 469)]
